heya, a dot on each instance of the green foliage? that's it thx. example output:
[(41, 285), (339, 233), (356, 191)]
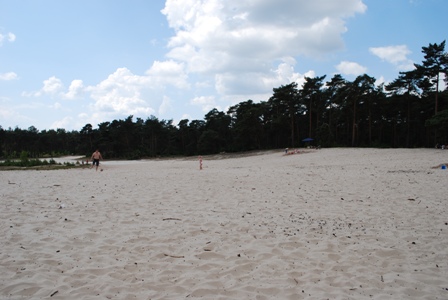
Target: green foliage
[(337, 113), (25, 162), (439, 121), (209, 142), (24, 157), (324, 137)]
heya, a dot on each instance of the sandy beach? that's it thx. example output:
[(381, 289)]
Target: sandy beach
[(322, 224)]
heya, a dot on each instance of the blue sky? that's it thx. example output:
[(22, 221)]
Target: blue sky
[(64, 64)]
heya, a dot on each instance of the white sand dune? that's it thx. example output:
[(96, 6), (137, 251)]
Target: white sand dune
[(326, 224)]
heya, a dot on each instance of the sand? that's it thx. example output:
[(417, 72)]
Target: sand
[(321, 224)]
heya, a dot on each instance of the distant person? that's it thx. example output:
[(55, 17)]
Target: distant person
[(96, 156)]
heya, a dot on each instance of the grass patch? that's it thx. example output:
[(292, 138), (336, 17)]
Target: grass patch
[(36, 164)]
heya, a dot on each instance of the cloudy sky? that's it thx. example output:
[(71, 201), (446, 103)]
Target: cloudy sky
[(64, 64)]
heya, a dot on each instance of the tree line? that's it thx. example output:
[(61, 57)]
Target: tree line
[(411, 111)]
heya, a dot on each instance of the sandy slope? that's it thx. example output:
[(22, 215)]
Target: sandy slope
[(326, 224)]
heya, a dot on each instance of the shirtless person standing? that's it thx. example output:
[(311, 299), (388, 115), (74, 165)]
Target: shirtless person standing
[(96, 156)]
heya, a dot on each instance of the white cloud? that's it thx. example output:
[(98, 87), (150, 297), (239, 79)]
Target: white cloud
[(75, 89), (238, 42), (8, 76), (185, 117), (167, 73), (166, 106), (10, 37), (63, 123), (56, 106), (13, 116), (207, 103), (381, 80), (51, 86), (396, 55), (120, 94), (285, 74), (231, 49), (6, 114), (124, 93), (351, 68), (392, 54)]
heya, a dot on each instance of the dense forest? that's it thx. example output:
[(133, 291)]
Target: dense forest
[(411, 111)]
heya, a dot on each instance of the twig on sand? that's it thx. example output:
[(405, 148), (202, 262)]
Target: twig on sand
[(172, 219), (174, 256), (54, 293)]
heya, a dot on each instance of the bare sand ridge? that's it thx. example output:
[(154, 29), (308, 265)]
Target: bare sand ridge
[(324, 224)]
